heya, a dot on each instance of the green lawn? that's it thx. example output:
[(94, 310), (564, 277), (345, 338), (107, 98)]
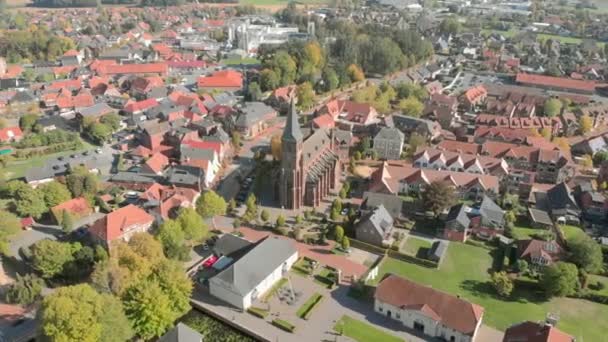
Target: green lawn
[(266, 297), (465, 272), (412, 245), (571, 232), (17, 168), (237, 61), (362, 332), (507, 34), (523, 233)]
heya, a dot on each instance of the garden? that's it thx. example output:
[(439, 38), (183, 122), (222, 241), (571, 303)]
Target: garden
[(361, 331)]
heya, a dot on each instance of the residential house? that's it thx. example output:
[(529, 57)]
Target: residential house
[(350, 115), (77, 208), (153, 133), (556, 83), (437, 251), (226, 80), (473, 97), (159, 69), (392, 203), (559, 203), (428, 311), (487, 219), (539, 253), (166, 201), (155, 164), (457, 222), (388, 143), (121, 224), (431, 158), (253, 118), (402, 178), (252, 275), (281, 97), (186, 176), (203, 155), (10, 134), (536, 332), (428, 129), (376, 227), (442, 109)]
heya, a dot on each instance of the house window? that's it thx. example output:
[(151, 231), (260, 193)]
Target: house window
[(397, 315), (380, 308)]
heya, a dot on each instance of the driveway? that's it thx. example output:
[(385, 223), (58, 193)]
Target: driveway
[(29, 237)]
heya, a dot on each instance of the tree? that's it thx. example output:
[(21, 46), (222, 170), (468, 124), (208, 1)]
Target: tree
[(411, 106), (438, 196), (299, 219), (210, 204), (339, 234), (173, 239), (546, 133), (502, 284), (10, 226), (49, 257), (586, 253), (78, 313), (27, 122), (280, 221), (416, 140), (345, 243), (552, 107), (25, 290), (99, 132), (600, 156), (251, 211), (449, 26), (254, 91), (193, 226), (587, 161), (265, 216), (149, 309), (559, 279), (269, 80), (330, 79), (562, 143), (357, 155), (306, 95), (586, 123), (342, 193), (355, 73), (522, 266), (231, 206), (54, 193), (146, 246), (276, 146), (112, 120), (67, 222), (314, 53), (29, 202), (236, 140)]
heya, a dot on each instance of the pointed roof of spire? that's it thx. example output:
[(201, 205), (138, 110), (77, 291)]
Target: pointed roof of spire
[(292, 128)]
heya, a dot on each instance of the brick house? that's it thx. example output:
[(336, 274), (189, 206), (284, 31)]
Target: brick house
[(121, 224)]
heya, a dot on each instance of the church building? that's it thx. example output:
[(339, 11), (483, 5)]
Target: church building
[(309, 165)]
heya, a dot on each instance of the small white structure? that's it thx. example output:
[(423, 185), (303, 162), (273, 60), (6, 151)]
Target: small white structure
[(255, 273)]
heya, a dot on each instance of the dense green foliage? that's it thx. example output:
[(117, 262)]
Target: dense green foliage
[(560, 279), (210, 204), (20, 45), (25, 290), (212, 329), (10, 226)]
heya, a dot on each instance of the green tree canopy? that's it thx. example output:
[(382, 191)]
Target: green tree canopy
[(560, 279), (411, 106), (438, 196), (54, 193), (25, 290), (502, 284), (11, 225), (552, 107), (49, 257), (149, 309), (210, 204), (173, 240), (306, 95), (586, 253), (195, 229)]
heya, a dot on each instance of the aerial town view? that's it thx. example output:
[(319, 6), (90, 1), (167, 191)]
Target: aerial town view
[(304, 171)]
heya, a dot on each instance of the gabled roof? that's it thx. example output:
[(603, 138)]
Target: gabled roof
[(380, 219), (114, 225), (458, 213), (246, 273), (535, 332), (451, 311), (181, 333)]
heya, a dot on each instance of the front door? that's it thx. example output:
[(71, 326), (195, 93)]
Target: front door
[(418, 326), (388, 313)]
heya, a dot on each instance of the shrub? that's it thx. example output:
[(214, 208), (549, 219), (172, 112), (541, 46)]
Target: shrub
[(258, 312), (284, 325), (306, 309)]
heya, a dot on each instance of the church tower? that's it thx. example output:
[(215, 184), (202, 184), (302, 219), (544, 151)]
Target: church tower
[(291, 187)]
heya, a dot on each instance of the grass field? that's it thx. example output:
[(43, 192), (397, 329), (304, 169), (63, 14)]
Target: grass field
[(17, 169), (362, 332), (465, 271), (279, 2), (571, 232), (237, 61), (412, 245)]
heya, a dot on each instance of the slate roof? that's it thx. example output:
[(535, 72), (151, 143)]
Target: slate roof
[(380, 219), (390, 134), (229, 245), (181, 333), (249, 271), (458, 213), (252, 113), (184, 174), (540, 216), (560, 197), (490, 211), (392, 203), (438, 249), (292, 130)]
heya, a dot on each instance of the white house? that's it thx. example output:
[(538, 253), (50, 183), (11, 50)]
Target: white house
[(431, 312), (256, 272)]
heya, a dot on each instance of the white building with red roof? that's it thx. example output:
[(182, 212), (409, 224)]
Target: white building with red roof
[(121, 224), (428, 311)]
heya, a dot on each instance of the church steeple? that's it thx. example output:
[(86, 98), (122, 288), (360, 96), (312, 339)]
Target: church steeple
[(292, 130)]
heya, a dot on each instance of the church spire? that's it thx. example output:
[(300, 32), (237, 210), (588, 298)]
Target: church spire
[(292, 130)]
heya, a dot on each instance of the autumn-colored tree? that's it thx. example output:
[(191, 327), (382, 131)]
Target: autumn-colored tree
[(545, 132), (587, 161), (562, 143), (306, 95), (586, 123), (276, 147), (314, 54), (355, 73)]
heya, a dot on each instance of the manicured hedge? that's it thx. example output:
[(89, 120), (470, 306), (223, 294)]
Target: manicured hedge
[(366, 246), (594, 297), (325, 280), (284, 325), (412, 259), (258, 312), (305, 310)]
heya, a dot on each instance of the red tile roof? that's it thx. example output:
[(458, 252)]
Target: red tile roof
[(221, 79), (10, 133), (324, 121), (132, 107), (550, 81), (157, 162), (78, 207), (205, 145), (187, 64), (73, 84), (114, 225), (148, 68), (451, 311), (535, 332)]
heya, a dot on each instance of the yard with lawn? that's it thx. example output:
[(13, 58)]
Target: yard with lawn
[(413, 245), (237, 61), (593, 282), (362, 332), (465, 272), (571, 232)]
